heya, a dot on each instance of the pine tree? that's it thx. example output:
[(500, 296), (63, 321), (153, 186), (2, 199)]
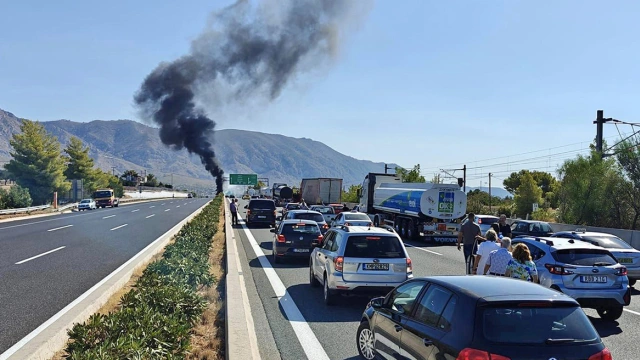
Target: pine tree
[(81, 167), (37, 162)]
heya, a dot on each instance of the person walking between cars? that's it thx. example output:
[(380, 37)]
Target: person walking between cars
[(522, 266), (484, 250), (234, 212), (469, 232), (499, 259)]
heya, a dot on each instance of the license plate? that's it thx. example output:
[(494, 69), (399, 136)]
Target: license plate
[(593, 279), (376, 266), (301, 250), (625, 260), (261, 217)]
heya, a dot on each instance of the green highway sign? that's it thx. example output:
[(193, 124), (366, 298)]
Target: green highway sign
[(243, 179)]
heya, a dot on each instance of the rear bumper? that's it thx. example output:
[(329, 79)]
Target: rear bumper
[(599, 298), (288, 252), (255, 220), (336, 283)]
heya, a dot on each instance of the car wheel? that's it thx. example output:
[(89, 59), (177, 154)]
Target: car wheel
[(365, 341), (632, 282), (312, 278), (329, 296), (610, 313)]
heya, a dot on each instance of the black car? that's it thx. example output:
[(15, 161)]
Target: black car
[(261, 211), (477, 317), (531, 228), (295, 238)]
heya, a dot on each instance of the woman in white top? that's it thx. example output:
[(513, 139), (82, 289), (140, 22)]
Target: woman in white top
[(486, 247)]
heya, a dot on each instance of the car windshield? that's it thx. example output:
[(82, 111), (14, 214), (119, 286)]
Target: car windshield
[(584, 257), (309, 216), (293, 206), (357, 217), (293, 229), (608, 242), (262, 205), (540, 227), (361, 246), (324, 210), (102, 194), (85, 201), (537, 325)]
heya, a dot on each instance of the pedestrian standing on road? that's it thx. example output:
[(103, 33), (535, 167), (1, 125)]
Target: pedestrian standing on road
[(234, 212), (468, 234), (499, 259), (484, 250), (304, 206), (345, 208), (522, 266), (505, 229)]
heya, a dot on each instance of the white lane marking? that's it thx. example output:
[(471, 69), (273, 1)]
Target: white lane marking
[(61, 227), (633, 312), (152, 215), (152, 206), (419, 248), (20, 344), (119, 227), (310, 344), (135, 210), (162, 204), (171, 202), (167, 210), (37, 256), (178, 206), (110, 216)]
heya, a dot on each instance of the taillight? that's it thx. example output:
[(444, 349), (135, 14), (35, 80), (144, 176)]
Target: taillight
[(281, 238), (325, 226), (621, 271), (602, 355), (557, 269), (275, 213), (320, 239), (409, 266), (248, 212), (473, 354), (338, 262)]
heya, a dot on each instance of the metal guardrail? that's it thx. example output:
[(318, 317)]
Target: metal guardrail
[(23, 210), (68, 206)]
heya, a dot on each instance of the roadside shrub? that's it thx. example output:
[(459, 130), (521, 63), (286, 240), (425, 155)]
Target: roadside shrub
[(505, 209), (16, 197), (544, 215), (155, 319)]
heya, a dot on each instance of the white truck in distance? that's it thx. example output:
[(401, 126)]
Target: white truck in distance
[(415, 210), (319, 191)]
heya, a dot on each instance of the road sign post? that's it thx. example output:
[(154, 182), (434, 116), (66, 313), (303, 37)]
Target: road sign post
[(243, 179)]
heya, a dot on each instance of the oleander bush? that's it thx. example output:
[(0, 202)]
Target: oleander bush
[(155, 318)]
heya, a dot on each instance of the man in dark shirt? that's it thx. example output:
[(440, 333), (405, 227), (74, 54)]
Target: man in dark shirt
[(469, 231), (505, 229), (234, 212)]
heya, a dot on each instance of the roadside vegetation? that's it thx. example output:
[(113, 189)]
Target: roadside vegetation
[(174, 304)]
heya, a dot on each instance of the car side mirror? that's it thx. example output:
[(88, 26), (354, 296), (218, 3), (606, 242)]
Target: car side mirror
[(272, 230), (377, 303)]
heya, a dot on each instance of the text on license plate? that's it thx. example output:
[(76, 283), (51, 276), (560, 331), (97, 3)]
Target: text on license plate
[(300, 250), (261, 217), (593, 279), (625, 260), (376, 267)]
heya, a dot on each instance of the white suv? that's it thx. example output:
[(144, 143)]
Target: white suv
[(359, 260)]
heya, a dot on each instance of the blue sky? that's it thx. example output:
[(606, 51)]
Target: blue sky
[(496, 85)]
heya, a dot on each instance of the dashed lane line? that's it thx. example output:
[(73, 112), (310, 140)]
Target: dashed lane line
[(419, 248), (61, 227), (135, 210), (152, 215), (110, 216), (119, 227), (39, 255)]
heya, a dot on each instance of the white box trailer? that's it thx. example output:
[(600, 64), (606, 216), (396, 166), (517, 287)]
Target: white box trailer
[(318, 191)]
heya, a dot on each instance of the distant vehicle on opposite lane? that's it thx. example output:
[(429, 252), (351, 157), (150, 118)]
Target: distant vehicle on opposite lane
[(479, 317), (87, 204)]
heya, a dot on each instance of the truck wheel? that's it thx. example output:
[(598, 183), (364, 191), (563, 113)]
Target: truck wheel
[(412, 230), (396, 226), (405, 228)]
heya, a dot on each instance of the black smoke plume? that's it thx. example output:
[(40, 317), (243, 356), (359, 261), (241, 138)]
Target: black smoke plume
[(246, 52)]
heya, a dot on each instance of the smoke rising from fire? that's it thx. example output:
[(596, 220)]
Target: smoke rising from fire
[(246, 52)]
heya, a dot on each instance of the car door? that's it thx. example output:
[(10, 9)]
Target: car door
[(387, 324), (338, 220), (321, 254), (519, 228), (422, 333), (537, 255)]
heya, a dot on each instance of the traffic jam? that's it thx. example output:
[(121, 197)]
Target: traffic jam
[(523, 293)]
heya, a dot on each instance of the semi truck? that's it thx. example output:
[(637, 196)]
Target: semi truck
[(281, 193), (105, 197), (415, 210), (319, 191)]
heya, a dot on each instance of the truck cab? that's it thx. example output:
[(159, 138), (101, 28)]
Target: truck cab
[(105, 197)]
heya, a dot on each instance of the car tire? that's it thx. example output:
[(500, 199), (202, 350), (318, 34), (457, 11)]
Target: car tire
[(632, 282), (610, 313), (365, 341), (329, 296), (312, 278)]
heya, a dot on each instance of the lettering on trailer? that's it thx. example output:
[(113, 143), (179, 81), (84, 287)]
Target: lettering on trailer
[(445, 202), (445, 240)]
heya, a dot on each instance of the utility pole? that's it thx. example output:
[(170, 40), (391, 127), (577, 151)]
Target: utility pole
[(490, 210), (386, 167), (464, 177), (113, 170), (599, 128)]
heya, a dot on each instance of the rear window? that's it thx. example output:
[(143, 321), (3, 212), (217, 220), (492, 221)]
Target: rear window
[(262, 204), (323, 210), (373, 247), (309, 216), (487, 220), (584, 257), (540, 227), (300, 229), (357, 217), (85, 201), (537, 325), (608, 242)]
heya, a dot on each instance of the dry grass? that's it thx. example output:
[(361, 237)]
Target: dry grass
[(207, 341)]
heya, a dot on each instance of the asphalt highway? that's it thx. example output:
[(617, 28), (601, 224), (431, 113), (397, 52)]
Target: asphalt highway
[(330, 332), (47, 262)]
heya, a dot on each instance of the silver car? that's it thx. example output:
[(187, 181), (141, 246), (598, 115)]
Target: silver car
[(626, 254), (587, 273), (87, 204), (359, 260), (352, 218)]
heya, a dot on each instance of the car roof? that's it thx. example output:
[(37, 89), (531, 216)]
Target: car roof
[(558, 243), (531, 221), (495, 288), (585, 233), (302, 211), (299, 221), (359, 230)]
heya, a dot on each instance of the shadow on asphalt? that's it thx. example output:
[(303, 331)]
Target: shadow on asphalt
[(605, 328), (286, 263), (635, 291), (311, 305), (267, 245)]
